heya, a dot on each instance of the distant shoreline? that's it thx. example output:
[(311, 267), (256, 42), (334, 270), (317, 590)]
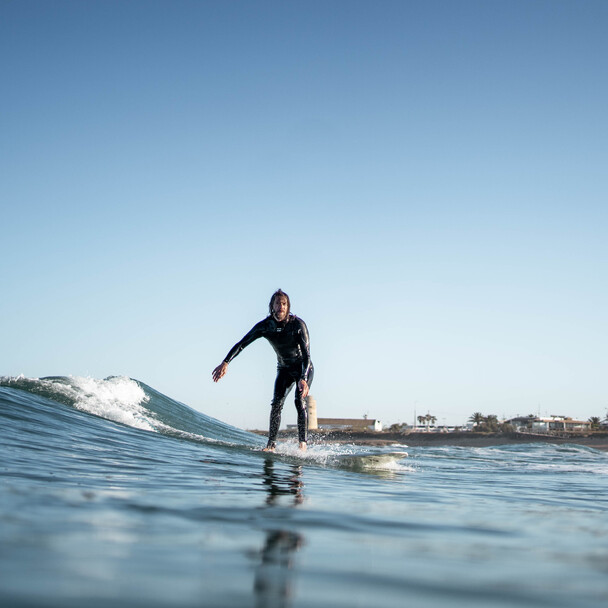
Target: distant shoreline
[(597, 440)]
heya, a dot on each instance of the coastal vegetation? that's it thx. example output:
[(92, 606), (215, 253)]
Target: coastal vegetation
[(489, 424), (427, 420), (595, 422)]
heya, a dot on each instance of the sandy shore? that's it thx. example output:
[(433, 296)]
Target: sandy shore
[(598, 440)]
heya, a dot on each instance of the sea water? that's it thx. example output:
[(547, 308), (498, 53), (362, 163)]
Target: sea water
[(112, 494)]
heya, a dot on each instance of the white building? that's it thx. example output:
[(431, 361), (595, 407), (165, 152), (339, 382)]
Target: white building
[(549, 424)]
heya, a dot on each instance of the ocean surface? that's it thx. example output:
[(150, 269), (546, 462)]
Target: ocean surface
[(112, 494)]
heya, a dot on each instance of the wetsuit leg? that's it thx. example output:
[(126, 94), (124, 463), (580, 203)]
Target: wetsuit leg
[(301, 409), (282, 386)]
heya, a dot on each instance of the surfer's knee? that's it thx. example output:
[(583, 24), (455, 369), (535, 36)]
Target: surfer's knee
[(277, 402)]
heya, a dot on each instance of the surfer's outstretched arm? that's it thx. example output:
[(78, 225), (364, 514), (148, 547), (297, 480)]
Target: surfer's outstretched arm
[(220, 371), (257, 331)]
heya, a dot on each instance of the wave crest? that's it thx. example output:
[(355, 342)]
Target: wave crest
[(132, 403), (116, 398)]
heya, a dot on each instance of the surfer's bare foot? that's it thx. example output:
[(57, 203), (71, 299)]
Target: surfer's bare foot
[(302, 446), (268, 449)]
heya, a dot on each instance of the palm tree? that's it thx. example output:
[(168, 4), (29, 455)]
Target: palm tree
[(430, 420), (421, 419), (477, 418), (595, 422)]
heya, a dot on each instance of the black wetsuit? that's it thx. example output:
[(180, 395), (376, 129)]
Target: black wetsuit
[(290, 341)]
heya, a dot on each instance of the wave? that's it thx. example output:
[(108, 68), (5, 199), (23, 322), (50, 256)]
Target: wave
[(135, 404)]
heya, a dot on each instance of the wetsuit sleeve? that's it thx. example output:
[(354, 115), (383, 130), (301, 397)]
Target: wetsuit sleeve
[(257, 331), (304, 341)]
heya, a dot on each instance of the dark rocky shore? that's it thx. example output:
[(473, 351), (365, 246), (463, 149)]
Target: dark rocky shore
[(597, 440)]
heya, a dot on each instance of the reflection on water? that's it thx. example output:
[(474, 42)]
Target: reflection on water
[(273, 584), (275, 572), (281, 484)]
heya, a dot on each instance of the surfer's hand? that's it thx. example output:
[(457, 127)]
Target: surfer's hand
[(303, 386), (220, 371)]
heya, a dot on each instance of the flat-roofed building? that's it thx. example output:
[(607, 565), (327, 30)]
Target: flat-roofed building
[(549, 424)]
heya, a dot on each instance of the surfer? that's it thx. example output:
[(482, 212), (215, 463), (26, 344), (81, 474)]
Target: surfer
[(288, 335)]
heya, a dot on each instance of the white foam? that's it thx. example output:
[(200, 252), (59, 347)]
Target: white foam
[(319, 453), (337, 454), (118, 398)]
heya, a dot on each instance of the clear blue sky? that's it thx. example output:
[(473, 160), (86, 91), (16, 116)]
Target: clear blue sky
[(427, 180)]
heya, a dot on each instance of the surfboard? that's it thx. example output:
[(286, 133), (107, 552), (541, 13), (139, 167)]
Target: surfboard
[(356, 462)]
